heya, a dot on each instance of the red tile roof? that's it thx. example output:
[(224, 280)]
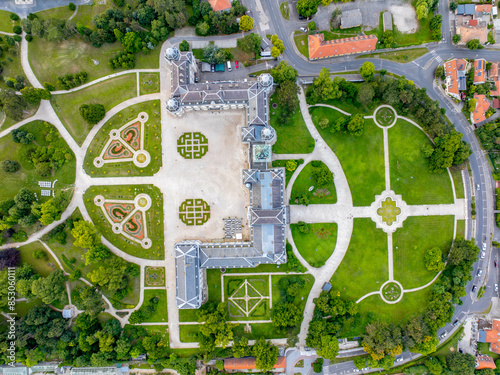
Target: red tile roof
[(496, 105), (479, 115), (450, 69), (218, 5), (479, 71), (248, 363), (320, 49), (473, 23), (493, 75), (484, 361), (485, 8)]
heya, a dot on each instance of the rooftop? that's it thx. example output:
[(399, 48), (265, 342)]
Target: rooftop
[(485, 361), (482, 106), (479, 71), (466, 9), (220, 5), (319, 48), (350, 18)]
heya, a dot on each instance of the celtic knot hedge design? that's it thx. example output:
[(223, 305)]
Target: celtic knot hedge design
[(194, 212), (192, 145)]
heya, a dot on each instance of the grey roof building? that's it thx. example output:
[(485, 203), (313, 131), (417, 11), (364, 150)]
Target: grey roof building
[(267, 213), (466, 9), (350, 18)]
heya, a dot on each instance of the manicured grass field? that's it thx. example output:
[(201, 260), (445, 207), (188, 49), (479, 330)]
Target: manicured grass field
[(152, 143), (189, 332), (461, 228), (26, 176), (258, 330), (410, 243), (410, 175), (305, 180), (50, 60), (61, 13), (364, 267), (6, 24), (347, 106), (108, 93), (285, 11), (161, 312), (293, 138), (288, 174), (154, 218), (41, 266), (406, 55), (149, 83), (362, 158), (314, 246), (301, 42), (458, 182), (234, 286)]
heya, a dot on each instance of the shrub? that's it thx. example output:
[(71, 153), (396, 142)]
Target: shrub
[(184, 46), (14, 17), (303, 227), (17, 29), (119, 3), (92, 113), (71, 6), (17, 38), (49, 86), (123, 60), (20, 236), (10, 166), (311, 26), (28, 38), (324, 123), (219, 364), (40, 254), (318, 366), (291, 165)]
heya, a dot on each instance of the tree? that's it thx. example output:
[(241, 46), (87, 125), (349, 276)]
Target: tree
[(307, 8), (457, 38), (283, 72), (92, 113), (285, 315), (209, 53), (72, 6), (439, 71), (303, 227), (367, 71), (184, 46), (275, 52), (324, 123), (434, 366), (246, 23), (471, 105), (85, 234), (240, 347), (366, 94), (10, 166), (13, 105), (322, 176), (356, 124), (51, 210), (96, 253), (473, 44), (92, 301), (382, 339), (324, 88), (463, 251), (453, 7), (9, 258), (329, 347), (215, 328), (265, 353), (111, 275), (359, 362), (433, 259), (422, 9), (250, 43), (131, 42), (462, 364), (50, 288), (291, 165), (286, 96), (24, 198)]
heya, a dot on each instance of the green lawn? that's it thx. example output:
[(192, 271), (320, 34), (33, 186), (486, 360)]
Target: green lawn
[(364, 267), (41, 266), (234, 285), (410, 243), (458, 182), (189, 333), (362, 158), (149, 83), (302, 43), (317, 245), (305, 180), (285, 11), (461, 228), (161, 330), (154, 218), (258, 330), (152, 142), (6, 24), (406, 55), (61, 13), (410, 175), (26, 175), (50, 60), (293, 138), (108, 93), (301, 298), (86, 13), (161, 313), (348, 106), (288, 174)]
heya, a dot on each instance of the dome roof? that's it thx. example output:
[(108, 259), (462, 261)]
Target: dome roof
[(172, 53), (172, 104), (266, 79)]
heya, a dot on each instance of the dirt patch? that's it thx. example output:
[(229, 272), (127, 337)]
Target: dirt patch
[(405, 18)]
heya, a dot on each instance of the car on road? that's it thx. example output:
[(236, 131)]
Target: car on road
[(496, 263), (484, 246), (303, 29), (479, 272), (400, 359), (455, 323), (496, 287), (483, 254), (252, 75), (443, 335), (236, 64), (478, 187), (474, 288)]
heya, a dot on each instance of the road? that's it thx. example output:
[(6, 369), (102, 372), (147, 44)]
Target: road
[(421, 72)]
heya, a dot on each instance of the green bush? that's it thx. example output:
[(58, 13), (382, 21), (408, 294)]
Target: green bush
[(20, 236), (9, 166), (28, 38), (17, 29), (14, 17), (92, 113), (71, 6), (49, 86), (39, 254)]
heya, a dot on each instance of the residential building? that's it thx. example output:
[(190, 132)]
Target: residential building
[(220, 5), (471, 22), (495, 78), (320, 49), (485, 361), (491, 333), (455, 81), (248, 363), (267, 212), (350, 18), (479, 71), (479, 113)]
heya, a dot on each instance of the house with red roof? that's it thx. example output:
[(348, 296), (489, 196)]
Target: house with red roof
[(479, 71), (493, 76), (491, 335), (479, 113), (319, 48), (248, 363), (220, 5), (485, 361), (455, 81)]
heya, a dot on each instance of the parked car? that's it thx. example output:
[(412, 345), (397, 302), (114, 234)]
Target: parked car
[(474, 288), (455, 323), (303, 29), (301, 17), (443, 335), (496, 287), (479, 272), (400, 359), (496, 263), (483, 254), (484, 246), (252, 75), (478, 187)]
